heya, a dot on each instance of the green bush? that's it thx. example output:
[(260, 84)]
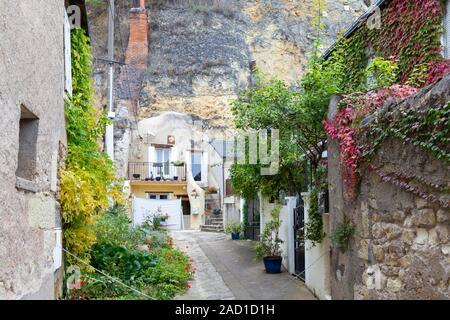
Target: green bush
[(233, 227), (157, 239), (342, 234), (114, 228), (269, 243), (122, 262), (160, 272), (153, 221)]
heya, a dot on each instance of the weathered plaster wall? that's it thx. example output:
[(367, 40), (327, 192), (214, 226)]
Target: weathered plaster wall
[(402, 244), (32, 69), (317, 257)]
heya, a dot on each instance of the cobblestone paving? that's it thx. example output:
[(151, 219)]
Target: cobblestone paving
[(228, 270)]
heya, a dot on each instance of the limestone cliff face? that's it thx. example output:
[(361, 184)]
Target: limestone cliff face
[(200, 50), (200, 53)]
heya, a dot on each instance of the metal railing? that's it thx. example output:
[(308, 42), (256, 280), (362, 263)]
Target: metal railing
[(156, 171)]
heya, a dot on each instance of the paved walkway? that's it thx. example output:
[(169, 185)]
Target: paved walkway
[(227, 270)]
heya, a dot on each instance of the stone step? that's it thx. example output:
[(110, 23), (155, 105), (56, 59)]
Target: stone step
[(211, 228)]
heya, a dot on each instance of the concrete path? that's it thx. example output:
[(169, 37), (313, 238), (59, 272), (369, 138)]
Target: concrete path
[(227, 270)]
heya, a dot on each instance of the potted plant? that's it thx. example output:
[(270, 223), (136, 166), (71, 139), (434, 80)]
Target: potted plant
[(178, 163), (212, 190), (234, 228), (268, 247)]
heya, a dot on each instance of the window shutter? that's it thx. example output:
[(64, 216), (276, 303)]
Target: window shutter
[(67, 56)]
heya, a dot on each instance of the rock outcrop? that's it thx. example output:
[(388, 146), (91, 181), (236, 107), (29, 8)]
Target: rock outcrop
[(201, 52)]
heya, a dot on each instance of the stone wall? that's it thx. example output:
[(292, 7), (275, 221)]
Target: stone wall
[(401, 249), (32, 69)]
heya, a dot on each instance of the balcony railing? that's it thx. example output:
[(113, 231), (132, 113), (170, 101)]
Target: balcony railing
[(156, 171)]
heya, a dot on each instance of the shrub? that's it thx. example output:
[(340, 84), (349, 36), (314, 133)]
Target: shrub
[(233, 227), (157, 239), (343, 233), (122, 262), (269, 243), (160, 273), (114, 228), (154, 221)]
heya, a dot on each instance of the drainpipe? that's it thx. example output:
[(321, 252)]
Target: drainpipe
[(109, 134)]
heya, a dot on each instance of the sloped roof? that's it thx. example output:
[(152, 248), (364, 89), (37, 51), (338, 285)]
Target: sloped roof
[(355, 26)]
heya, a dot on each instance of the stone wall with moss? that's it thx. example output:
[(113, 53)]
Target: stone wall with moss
[(401, 249)]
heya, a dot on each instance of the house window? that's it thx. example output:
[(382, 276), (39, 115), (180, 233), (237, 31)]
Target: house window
[(163, 160), (28, 133), (157, 196), (196, 164), (446, 35)]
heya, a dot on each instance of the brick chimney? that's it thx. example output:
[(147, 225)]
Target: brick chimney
[(136, 54)]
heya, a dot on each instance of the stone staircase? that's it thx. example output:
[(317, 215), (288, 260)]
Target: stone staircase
[(213, 223)]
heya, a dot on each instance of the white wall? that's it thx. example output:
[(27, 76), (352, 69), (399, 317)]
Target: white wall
[(317, 260), (286, 229), (287, 233), (144, 208)]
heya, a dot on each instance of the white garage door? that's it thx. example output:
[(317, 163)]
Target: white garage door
[(143, 208)]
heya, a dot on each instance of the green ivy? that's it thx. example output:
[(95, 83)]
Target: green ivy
[(245, 224), (381, 73), (88, 182), (343, 233), (314, 226), (428, 129), (409, 35)]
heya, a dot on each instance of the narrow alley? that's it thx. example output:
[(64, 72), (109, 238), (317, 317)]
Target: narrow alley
[(228, 270)]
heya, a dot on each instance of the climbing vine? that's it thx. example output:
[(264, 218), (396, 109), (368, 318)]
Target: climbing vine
[(314, 226), (428, 129), (343, 233), (409, 35), (88, 182), (245, 224)]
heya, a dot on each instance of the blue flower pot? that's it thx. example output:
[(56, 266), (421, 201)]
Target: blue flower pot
[(273, 264), (235, 236)]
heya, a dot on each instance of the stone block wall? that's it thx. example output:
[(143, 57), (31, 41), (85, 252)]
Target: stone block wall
[(401, 249), (32, 69)]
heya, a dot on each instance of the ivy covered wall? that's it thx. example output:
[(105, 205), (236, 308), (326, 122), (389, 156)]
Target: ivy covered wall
[(409, 34), (88, 182), (388, 148)]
